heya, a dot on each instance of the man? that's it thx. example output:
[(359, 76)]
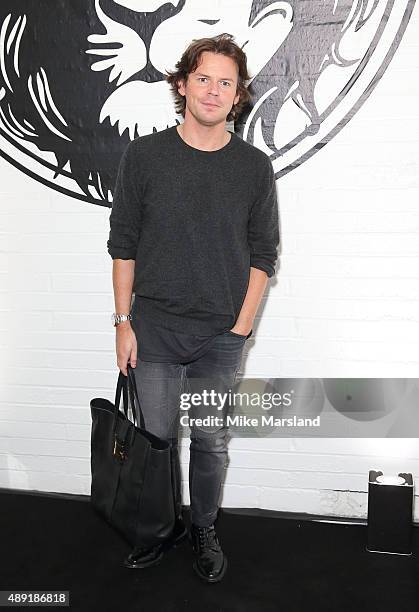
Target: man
[(194, 234)]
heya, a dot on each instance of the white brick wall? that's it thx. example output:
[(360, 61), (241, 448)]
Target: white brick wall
[(345, 304)]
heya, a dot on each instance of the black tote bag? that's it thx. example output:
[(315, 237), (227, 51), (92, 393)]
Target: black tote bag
[(132, 470)]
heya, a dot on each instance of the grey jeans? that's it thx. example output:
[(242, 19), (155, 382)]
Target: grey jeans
[(160, 386)]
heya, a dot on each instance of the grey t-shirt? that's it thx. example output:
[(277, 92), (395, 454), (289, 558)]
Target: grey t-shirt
[(161, 345)]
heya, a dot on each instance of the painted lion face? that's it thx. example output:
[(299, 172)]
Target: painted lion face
[(138, 65)]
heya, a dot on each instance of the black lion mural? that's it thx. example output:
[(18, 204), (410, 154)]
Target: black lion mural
[(79, 79)]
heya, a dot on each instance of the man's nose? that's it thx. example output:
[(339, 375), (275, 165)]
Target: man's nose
[(213, 88)]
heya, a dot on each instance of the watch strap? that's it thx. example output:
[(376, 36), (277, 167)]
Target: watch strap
[(120, 318)]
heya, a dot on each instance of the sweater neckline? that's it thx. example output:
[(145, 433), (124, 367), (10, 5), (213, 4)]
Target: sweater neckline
[(223, 149)]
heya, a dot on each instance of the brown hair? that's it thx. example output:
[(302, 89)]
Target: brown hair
[(222, 44)]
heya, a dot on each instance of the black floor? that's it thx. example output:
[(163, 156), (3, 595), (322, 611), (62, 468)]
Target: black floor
[(280, 564)]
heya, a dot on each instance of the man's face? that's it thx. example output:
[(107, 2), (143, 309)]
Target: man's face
[(210, 91)]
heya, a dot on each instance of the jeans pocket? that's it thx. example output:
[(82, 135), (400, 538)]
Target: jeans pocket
[(240, 335)]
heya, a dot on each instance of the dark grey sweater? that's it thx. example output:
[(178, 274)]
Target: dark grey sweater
[(195, 222)]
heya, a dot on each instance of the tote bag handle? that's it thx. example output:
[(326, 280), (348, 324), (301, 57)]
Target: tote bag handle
[(133, 393), (128, 387), (121, 387)]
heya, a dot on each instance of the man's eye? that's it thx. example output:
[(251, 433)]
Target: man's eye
[(227, 83)]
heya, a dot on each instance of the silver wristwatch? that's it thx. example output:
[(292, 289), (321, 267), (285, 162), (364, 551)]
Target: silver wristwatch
[(119, 318)]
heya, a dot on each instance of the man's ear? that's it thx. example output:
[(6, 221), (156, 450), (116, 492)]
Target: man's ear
[(181, 87)]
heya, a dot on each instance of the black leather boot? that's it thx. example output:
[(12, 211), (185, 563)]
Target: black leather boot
[(141, 557), (210, 562)]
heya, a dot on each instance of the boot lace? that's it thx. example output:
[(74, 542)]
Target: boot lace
[(208, 539)]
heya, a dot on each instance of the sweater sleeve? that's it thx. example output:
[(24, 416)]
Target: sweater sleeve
[(125, 216), (263, 228)]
